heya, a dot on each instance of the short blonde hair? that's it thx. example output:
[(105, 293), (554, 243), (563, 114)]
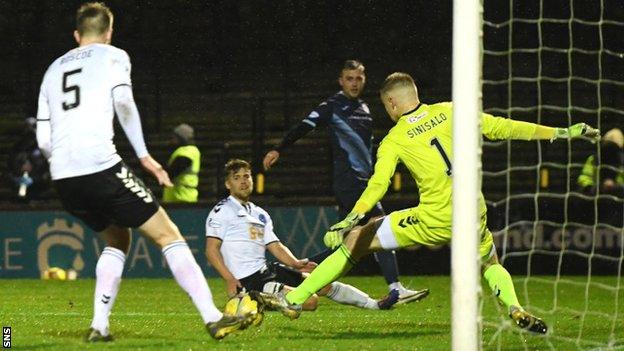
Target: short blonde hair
[(397, 80), (93, 18)]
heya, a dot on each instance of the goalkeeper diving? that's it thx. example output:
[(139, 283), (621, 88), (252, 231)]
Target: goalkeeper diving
[(422, 139)]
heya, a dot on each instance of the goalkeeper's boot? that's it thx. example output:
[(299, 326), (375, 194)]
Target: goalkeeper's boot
[(386, 302), (224, 326), (527, 321), (408, 295), (95, 335), (278, 302)]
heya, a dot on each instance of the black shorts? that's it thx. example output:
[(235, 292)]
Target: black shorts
[(275, 272), (112, 196)]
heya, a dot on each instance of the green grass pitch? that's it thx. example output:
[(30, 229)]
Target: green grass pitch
[(152, 314)]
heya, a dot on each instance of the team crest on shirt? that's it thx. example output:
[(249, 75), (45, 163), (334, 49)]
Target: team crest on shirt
[(416, 118), (262, 218)]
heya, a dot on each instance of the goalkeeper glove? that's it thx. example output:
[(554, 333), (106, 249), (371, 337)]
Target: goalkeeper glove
[(336, 232), (577, 130)]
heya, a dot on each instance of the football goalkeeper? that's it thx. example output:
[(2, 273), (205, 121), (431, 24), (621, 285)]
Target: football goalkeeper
[(422, 140)]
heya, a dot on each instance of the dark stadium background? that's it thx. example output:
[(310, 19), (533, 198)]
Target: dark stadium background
[(243, 72)]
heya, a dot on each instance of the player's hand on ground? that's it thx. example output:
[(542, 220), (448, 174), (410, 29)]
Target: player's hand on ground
[(578, 130), (156, 170), (305, 265), (269, 159), (232, 286)]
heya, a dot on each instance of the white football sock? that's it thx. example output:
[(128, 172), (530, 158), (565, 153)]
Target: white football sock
[(350, 295), (107, 279), (189, 276), (398, 286)]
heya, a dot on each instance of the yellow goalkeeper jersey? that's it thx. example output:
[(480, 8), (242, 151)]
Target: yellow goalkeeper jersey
[(423, 140)]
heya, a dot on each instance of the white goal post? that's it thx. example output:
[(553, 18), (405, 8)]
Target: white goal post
[(467, 18)]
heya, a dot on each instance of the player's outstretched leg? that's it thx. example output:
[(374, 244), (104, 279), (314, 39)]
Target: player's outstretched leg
[(188, 274), (350, 295), (108, 271), (356, 245), (500, 282)]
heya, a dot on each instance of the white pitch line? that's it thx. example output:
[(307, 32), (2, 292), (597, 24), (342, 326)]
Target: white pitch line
[(127, 314)]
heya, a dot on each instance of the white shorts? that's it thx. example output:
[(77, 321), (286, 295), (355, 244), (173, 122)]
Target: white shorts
[(386, 236)]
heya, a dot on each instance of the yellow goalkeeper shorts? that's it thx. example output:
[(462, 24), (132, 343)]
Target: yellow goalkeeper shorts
[(401, 229)]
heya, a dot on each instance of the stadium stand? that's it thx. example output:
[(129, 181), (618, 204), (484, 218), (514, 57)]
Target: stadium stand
[(245, 125)]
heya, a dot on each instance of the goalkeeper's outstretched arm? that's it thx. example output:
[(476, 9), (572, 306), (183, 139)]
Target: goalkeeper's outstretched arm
[(497, 128)]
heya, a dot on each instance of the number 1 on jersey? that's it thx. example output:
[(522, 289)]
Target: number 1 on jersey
[(449, 168)]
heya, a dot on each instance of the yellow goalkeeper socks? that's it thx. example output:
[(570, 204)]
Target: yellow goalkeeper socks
[(329, 270), (501, 284)]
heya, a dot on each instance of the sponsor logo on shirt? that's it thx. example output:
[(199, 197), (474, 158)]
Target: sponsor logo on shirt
[(256, 232), (416, 118)]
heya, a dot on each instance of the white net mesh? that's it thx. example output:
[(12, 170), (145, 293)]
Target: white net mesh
[(556, 62)]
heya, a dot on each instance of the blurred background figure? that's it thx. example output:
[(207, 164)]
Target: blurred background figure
[(28, 169), (183, 167), (608, 175)]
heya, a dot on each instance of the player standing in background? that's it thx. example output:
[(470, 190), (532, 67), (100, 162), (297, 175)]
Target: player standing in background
[(351, 129), (80, 93), (238, 235), (422, 140)]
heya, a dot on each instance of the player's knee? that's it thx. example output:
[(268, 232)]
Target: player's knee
[(359, 238), (166, 235), (160, 229), (122, 243), (311, 303), (352, 237), (117, 237), (324, 291)]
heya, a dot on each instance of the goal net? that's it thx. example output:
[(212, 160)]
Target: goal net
[(557, 63)]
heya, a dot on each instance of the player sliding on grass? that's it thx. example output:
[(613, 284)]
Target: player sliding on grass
[(422, 140), (80, 92), (238, 235)]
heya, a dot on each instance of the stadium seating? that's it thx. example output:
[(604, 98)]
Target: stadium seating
[(245, 126)]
